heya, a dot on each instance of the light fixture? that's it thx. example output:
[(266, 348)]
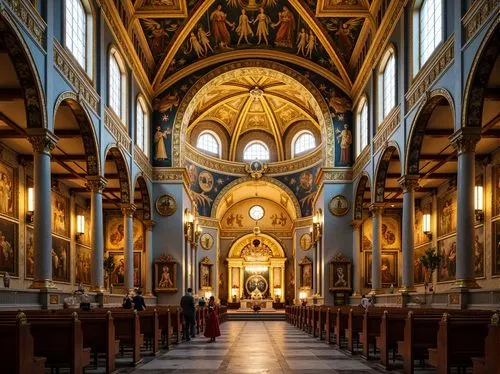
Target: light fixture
[(303, 297), (31, 205), (80, 226), (256, 268), (208, 295), (277, 294), (478, 203), (316, 227), (426, 225)]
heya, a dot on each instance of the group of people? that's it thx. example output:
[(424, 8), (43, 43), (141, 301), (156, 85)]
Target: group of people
[(212, 329), (134, 300)]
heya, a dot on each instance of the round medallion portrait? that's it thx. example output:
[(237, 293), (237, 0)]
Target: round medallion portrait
[(166, 205), (256, 212), (339, 206), (206, 181), (206, 241), (305, 242)]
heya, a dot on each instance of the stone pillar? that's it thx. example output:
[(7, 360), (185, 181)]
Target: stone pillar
[(128, 224), (230, 283), (464, 141), (376, 209), (270, 269), (43, 142), (356, 258), (96, 184), (148, 256), (408, 183)]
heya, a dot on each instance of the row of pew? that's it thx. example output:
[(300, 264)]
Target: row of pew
[(443, 338), (33, 340)]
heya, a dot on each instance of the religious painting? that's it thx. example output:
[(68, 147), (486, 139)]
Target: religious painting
[(479, 252), (496, 192), (206, 241), (83, 264), (391, 233), (60, 214), (166, 274), (115, 233), (339, 206), (29, 251), (256, 285), (340, 273), (496, 247), (306, 274), (419, 237), (61, 259), (159, 137), (85, 238), (447, 212), (447, 249), (343, 140), (168, 8), (344, 32), (118, 274), (206, 274), (8, 190), (305, 241), (8, 246), (303, 186), (388, 268), (419, 271)]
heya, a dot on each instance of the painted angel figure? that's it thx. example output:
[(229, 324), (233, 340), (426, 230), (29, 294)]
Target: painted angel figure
[(286, 23), (311, 44), (219, 24), (302, 42), (244, 28), (158, 34), (194, 45), (159, 139), (263, 22), (345, 33), (203, 39)]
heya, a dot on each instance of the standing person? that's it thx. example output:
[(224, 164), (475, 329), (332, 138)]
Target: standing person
[(212, 327), (127, 302), (139, 303), (188, 309)]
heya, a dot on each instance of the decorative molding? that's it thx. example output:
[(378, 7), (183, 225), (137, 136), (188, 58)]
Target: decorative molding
[(42, 140), (464, 140), (143, 162), (172, 175), (31, 19), (117, 129), (341, 175), (361, 162), (208, 222), (388, 126), (477, 15), (75, 76), (433, 68), (96, 183)]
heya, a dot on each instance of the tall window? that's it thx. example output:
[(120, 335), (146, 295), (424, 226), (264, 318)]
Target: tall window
[(208, 142), (142, 126), (78, 33), (304, 141), (387, 85), (256, 150), (117, 85), (430, 31), (361, 127)]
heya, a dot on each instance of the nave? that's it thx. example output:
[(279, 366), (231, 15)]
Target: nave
[(255, 347)]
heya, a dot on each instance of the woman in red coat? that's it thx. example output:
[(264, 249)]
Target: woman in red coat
[(212, 326)]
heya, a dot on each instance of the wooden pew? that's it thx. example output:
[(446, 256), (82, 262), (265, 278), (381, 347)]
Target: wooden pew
[(165, 324), (329, 324), (341, 323), (17, 348), (175, 317), (370, 330), (128, 331), (322, 321), (490, 363), (150, 328), (314, 320), (354, 327), (392, 327), (458, 339)]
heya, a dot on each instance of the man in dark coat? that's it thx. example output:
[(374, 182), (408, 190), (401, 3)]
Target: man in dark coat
[(188, 309)]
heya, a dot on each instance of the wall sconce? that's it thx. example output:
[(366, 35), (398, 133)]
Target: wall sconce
[(31, 205), (80, 226), (188, 225), (208, 295), (303, 297), (197, 233), (478, 203), (426, 225), (316, 227)]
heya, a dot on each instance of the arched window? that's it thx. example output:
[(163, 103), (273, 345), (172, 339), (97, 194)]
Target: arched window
[(256, 150), (303, 142), (117, 85), (361, 126), (427, 30), (387, 84), (208, 142), (78, 32), (142, 126)]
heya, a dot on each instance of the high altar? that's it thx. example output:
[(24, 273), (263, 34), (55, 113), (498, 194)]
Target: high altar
[(256, 270)]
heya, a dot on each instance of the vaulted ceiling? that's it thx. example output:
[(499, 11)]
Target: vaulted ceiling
[(173, 38)]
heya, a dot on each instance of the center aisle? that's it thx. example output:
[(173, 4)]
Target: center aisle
[(255, 347)]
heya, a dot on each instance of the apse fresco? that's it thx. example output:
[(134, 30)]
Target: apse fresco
[(304, 188)]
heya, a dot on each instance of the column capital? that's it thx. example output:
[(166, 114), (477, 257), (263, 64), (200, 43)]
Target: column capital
[(96, 183), (377, 208), (408, 182), (128, 209), (42, 140), (149, 224), (465, 139), (356, 224)]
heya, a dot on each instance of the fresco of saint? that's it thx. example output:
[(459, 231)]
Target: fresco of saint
[(285, 34), (220, 31)]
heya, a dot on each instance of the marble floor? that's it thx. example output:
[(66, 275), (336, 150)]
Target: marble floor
[(254, 347)]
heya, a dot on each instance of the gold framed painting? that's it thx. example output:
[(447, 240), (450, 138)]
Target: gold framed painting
[(388, 268), (8, 246), (306, 274), (83, 264), (166, 205), (206, 274), (115, 233), (340, 273), (339, 206), (118, 273), (165, 274), (8, 190), (390, 236), (305, 241), (61, 259), (447, 248), (447, 212), (206, 241), (60, 214)]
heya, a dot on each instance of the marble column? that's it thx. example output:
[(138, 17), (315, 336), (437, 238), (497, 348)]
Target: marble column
[(377, 210), (230, 282), (148, 256), (43, 142), (356, 258), (128, 224), (464, 141), (408, 183), (96, 184)]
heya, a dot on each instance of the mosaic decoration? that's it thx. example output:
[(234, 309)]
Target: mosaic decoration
[(303, 186)]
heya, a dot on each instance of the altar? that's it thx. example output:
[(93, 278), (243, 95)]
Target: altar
[(264, 304)]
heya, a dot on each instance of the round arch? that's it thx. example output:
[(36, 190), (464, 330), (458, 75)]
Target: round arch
[(118, 157), (189, 103), (34, 100), (362, 186), (382, 170), (87, 130), (145, 195), (417, 132), (247, 239)]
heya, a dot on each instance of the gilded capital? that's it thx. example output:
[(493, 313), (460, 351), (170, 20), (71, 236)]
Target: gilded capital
[(42, 140), (128, 209), (465, 139), (408, 182), (149, 224), (377, 208), (96, 183)]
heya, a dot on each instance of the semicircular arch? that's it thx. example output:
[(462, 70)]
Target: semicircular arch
[(383, 169), (247, 239), (145, 195), (363, 183), (123, 172)]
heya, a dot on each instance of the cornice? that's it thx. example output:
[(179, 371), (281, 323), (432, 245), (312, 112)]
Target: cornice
[(333, 175), (433, 68), (208, 222), (143, 162), (477, 15), (387, 127), (117, 129), (75, 76), (30, 18), (302, 222), (171, 175)]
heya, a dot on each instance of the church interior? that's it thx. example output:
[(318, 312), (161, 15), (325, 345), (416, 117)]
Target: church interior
[(328, 171)]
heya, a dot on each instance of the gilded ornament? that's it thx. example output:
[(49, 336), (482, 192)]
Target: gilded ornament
[(166, 205), (206, 241), (305, 242), (339, 205)]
